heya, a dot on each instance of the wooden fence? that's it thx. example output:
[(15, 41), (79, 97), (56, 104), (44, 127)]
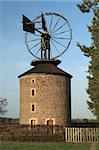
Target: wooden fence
[(82, 134)]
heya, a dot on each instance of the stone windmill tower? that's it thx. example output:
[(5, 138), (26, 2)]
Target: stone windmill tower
[(45, 90)]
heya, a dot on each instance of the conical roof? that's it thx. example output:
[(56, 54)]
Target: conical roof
[(46, 67)]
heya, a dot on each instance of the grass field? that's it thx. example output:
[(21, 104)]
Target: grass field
[(45, 146)]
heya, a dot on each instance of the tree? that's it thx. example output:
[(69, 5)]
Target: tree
[(3, 103), (93, 53)]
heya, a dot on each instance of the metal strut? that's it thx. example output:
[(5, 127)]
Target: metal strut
[(45, 45)]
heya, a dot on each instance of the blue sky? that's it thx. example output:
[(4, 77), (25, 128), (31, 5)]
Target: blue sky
[(15, 59)]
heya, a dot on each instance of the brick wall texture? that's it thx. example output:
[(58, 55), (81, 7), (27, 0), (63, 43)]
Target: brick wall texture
[(51, 99)]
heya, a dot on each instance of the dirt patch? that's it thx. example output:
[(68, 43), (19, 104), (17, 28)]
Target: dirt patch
[(93, 146)]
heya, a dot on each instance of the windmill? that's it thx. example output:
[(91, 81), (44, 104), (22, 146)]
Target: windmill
[(45, 89)]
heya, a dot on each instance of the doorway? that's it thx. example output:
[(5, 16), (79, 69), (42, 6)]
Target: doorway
[(50, 122), (33, 123)]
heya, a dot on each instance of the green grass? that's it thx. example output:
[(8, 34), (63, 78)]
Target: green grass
[(97, 146), (43, 146)]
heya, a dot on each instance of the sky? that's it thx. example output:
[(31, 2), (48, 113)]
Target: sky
[(15, 59)]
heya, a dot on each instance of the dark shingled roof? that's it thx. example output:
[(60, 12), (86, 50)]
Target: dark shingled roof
[(47, 67)]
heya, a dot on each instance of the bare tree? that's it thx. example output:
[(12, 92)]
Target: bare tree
[(3, 103)]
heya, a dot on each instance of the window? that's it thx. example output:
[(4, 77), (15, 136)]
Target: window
[(33, 92), (32, 80), (33, 107)]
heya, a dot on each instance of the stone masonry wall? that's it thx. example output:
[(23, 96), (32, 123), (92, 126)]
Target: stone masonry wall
[(51, 99)]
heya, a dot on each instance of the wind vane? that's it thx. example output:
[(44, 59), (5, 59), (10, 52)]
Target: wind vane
[(48, 36)]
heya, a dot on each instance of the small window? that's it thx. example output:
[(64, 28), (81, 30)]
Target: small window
[(33, 92), (33, 81), (33, 107)]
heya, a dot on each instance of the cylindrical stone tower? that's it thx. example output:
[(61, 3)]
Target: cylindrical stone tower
[(45, 95)]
